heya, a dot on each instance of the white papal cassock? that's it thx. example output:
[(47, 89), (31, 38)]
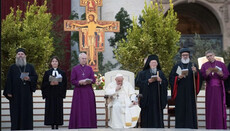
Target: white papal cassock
[(123, 114)]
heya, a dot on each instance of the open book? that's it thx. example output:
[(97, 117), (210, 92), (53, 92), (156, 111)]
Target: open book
[(58, 78), (24, 74), (88, 80), (184, 72), (154, 77), (180, 71)]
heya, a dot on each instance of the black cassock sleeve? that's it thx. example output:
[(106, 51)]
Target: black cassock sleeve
[(63, 85), (172, 76), (163, 90), (227, 82), (33, 79), (45, 85), (8, 84)]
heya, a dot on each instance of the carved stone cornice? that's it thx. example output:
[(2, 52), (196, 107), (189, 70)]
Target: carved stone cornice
[(167, 1), (216, 1)]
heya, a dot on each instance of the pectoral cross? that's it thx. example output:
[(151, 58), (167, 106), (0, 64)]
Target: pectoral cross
[(91, 31)]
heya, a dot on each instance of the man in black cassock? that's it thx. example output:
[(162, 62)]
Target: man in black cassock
[(153, 87), (227, 88), (183, 91), (20, 84)]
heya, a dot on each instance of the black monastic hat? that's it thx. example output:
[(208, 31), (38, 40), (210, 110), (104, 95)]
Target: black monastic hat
[(182, 50), (152, 57), (21, 50)]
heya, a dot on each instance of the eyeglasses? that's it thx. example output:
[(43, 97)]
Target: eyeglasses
[(209, 56), (186, 55)]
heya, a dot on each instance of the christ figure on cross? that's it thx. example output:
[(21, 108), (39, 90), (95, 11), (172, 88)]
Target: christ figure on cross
[(92, 26)]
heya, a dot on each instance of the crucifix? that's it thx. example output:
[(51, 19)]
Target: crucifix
[(91, 31)]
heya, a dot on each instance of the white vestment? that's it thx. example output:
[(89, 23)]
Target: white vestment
[(123, 113)]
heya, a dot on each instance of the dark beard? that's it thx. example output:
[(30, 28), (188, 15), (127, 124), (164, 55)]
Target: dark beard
[(20, 61)]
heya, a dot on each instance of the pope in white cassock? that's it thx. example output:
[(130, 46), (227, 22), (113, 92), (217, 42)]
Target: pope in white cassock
[(124, 107)]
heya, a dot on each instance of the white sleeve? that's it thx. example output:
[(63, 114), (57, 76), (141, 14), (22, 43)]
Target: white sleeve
[(134, 98), (110, 89)]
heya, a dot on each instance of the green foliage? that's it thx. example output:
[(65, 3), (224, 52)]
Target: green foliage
[(31, 31), (125, 23), (75, 39), (157, 35), (202, 45), (106, 67), (58, 35)]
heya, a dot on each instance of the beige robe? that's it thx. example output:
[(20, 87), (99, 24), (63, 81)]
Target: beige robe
[(123, 114)]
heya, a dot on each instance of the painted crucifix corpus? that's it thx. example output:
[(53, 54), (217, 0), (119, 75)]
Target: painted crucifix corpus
[(91, 31)]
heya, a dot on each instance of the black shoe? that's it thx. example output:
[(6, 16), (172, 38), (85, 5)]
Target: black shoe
[(52, 126), (56, 126)]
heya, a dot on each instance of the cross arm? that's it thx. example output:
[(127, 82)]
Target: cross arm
[(112, 26), (74, 25)]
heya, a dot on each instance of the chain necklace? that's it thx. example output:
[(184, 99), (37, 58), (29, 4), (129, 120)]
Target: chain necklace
[(182, 65), (83, 72), (21, 70), (24, 83)]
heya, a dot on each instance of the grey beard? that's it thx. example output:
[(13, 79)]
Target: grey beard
[(20, 61), (154, 71), (185, 61)]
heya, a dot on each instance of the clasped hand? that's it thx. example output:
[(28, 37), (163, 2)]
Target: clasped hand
[(194, 69), (84, 82), (118, 87), (219, 72), (26, 78), (54, 83)]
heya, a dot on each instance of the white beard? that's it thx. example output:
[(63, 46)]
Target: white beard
[(185, 61), (154, 70), (20, 61)]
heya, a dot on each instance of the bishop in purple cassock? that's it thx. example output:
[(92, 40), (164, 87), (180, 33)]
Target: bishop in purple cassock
[(83, 111), (215, 72)]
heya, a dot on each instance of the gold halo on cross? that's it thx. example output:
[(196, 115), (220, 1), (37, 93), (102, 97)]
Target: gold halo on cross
[(92, 13)]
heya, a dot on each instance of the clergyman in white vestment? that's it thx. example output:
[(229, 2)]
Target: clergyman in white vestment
[(123, 106)]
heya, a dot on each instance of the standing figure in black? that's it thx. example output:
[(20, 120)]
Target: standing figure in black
[(21, 82), (153, 86), (182, 78), (227, 88), (53, 88)]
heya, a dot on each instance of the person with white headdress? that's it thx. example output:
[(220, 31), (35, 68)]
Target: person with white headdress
[(124, 111)]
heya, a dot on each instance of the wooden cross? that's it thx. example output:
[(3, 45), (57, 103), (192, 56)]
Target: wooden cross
[(91, 31)]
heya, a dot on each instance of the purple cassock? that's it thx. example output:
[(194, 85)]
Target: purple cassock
[(215, 96), (83, 111)]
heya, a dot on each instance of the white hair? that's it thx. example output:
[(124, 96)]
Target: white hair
[(81, 54), (118, 75)]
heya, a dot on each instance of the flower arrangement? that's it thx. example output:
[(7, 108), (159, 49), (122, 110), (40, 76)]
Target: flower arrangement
[(100, 82)]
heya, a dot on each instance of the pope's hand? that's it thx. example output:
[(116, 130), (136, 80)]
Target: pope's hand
[(134, 103), (118, 87)]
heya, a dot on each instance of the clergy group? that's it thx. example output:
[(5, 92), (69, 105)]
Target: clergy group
[(126, 107)]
